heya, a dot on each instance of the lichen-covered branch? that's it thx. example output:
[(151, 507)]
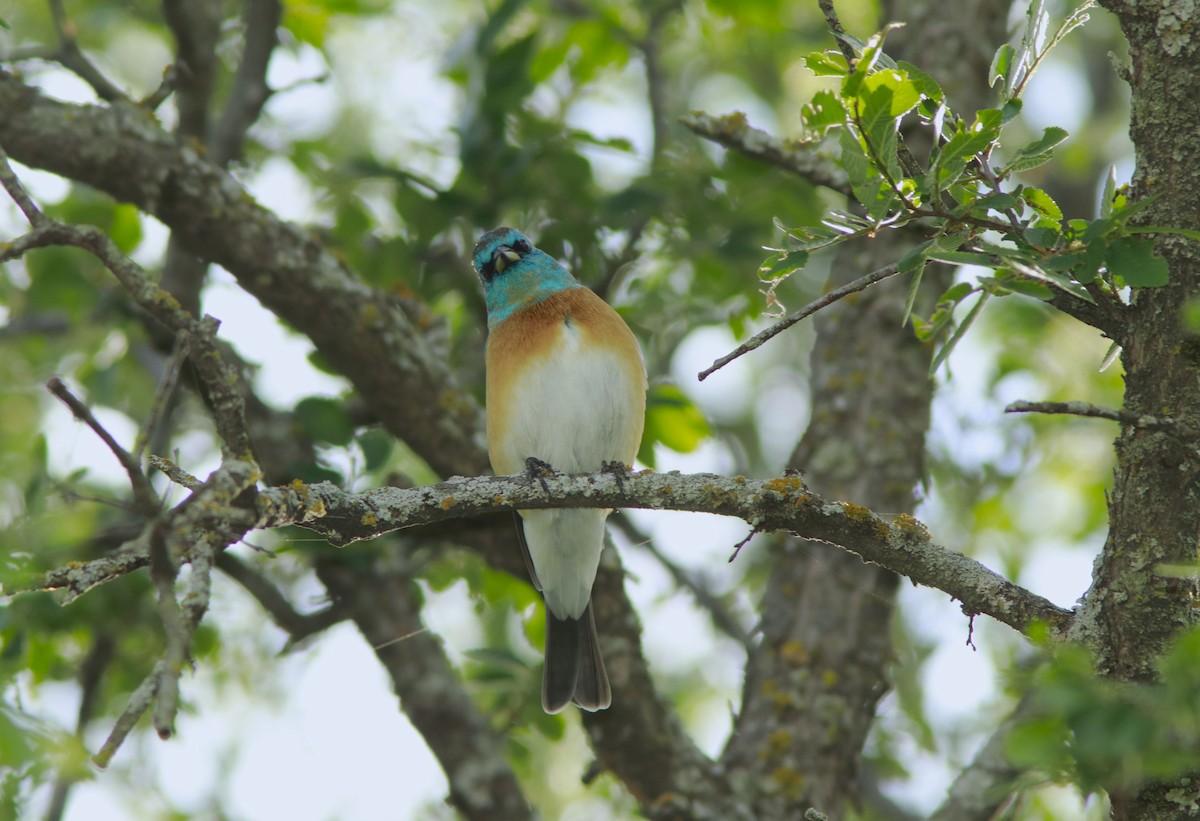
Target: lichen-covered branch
[(368, 337), (733, 131), (901, 544), (431, 692)]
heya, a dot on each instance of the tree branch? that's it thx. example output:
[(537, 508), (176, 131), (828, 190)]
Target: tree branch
[(801, 158), (756, 341), (432, 694), (697, 585), (72, 58), (143, 494), (986, 784), (250, 92), (902, 544), (363, 334), (298, 626), (1136, 420)]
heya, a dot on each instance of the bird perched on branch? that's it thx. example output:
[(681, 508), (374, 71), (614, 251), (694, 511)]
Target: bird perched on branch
[(566, 387)]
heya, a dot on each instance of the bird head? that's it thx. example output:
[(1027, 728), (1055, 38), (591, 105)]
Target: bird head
[(498, 250), (515, 273)]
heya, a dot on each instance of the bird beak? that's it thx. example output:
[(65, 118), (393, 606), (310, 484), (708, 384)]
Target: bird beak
[(504, 257)]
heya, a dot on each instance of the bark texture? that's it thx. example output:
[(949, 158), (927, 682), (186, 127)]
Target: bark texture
[(814, 682), (1132, 612)]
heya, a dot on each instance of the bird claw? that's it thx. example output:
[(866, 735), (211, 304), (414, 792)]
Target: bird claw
[(618, 470), (535, 468)]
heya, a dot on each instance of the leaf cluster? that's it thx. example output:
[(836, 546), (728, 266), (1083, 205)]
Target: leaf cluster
[(965, 195)]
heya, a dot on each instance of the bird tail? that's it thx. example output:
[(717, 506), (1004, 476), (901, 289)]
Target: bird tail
[(574, 667)]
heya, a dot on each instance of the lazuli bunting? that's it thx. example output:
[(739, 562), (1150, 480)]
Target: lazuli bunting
[(566, 385)]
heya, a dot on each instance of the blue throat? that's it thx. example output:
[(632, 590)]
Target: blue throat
[(528, 282)]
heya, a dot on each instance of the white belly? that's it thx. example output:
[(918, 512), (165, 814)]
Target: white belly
[(575, 409)]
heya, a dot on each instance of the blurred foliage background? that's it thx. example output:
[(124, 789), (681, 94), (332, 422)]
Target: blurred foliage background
[(397, 132)]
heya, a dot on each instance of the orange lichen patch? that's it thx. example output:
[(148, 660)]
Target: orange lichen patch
[(733, 123), (794, 652), (500, 500), (861, 515), (856, 513), (785, 485), (780, 698), (909, 525), (448, 503), (720, 496), (369, 520), (789, 781), (777, 746)]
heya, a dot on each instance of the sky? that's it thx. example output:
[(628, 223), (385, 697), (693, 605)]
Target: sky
[(329, 741)]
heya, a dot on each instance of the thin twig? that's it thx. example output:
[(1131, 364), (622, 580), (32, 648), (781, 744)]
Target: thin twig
[(91, 677), (70, 56), (165, 89), (803, 159), (694, 583), (1125, 417), (860, 284), (297, 625), (839, 32), (218, 379), (18, 193), (164, 568), (163, 395), (249, 91), (139, 702), (143, 494), (174, 472)]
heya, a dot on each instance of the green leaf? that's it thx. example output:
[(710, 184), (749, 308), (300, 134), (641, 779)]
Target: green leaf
[(126, 227), (1094, 255), (924, 83), (1110, 192), (913, 263), (1002, 64), (307, 22), (999, 202), (823, 112), (879, 127), (961, 257), (1035, 153), (1041, 236), (1043, 203), (961, 148), (959, 333), (854, 159), (782, 264), (915, 258), (1164, 229), (672, 420), (324, 420), (1134, 261), (376, 446), (1007, 280), (826, 63), (904, 95)]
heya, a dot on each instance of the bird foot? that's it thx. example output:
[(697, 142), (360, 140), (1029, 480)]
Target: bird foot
[(535, 468), (618, 470)]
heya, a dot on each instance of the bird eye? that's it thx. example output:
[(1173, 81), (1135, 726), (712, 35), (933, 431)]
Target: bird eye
[(522, 247)]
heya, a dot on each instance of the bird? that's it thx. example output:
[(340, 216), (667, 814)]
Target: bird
[(566, 387)]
